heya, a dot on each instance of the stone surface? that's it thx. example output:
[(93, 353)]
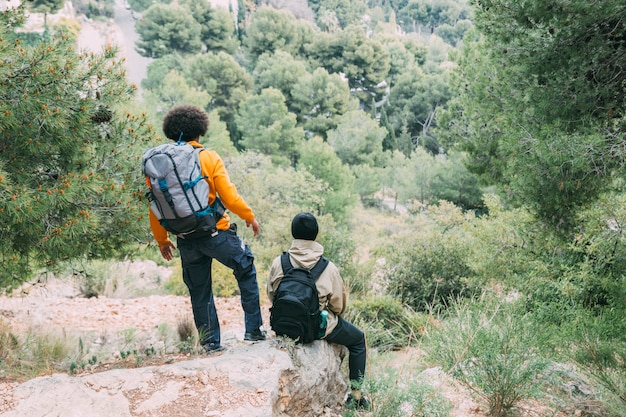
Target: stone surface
[(257, 380)]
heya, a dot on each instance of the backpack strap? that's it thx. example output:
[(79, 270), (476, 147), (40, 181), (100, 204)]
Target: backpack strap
[(316, 271), (285, 263)]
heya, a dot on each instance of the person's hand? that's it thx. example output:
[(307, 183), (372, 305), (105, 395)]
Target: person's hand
[(255, 226), (167, 251)]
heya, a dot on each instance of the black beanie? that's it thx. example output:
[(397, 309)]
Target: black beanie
[(304, 226)]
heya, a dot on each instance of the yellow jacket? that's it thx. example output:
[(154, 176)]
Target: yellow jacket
[(219, 183)]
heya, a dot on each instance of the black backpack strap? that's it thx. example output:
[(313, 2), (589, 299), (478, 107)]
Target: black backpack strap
[(319, 267), (316, 271), (285, 263)]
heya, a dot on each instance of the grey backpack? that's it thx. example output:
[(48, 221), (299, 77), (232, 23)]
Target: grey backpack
[(179, 194)]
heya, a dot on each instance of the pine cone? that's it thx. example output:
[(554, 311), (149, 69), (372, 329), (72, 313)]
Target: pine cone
[(101, 114)]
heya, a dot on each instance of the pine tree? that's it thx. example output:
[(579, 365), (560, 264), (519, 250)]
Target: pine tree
[(69, 156)]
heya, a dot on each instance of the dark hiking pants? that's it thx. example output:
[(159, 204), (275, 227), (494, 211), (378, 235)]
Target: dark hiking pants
[(350, 336), (197, 257)]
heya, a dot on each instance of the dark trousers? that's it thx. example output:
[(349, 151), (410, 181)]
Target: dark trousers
[(197, 257), (350, 336)]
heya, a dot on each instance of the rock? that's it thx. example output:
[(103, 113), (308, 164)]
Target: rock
[(263, 379)]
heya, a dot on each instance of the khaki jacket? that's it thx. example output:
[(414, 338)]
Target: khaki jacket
[(330, 286)]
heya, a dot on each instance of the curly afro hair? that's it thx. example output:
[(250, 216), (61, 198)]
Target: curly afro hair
[(185, 122)]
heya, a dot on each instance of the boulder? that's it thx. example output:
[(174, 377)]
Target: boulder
[(270, 378)]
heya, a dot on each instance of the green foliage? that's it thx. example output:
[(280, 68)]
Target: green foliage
[(31, 354), (492, 351), (604, 360), (217, 137), (318, 99), (268, 127), (320, 159), (387, 323), (427, 269), (159, 68), (141, 5), (363, 61), (529, 61), (358, 139), (276, 194), (345, 11), (398, 393), (174, 90), (425, 178), (413, 103), (217, 30), (224, 79), (68, 176), (279, 70), (167, 28), (453, 34), (45, 6), (454, 183), (271, 30), (432, 13)]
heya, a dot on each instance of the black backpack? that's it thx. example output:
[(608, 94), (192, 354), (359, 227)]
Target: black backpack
[(295, 312)]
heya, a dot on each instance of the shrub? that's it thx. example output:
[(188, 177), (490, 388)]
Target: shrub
[(397, 395), (426, 271), (599, 349), (491, 352), (387, 323)]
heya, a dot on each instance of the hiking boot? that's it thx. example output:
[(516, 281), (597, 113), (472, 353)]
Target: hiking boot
[(360, 404), (211, 348), (254, 335)]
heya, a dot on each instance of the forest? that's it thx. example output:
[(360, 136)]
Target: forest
[(464, 157)]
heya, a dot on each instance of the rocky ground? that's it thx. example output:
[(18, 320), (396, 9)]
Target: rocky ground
[(110, 326)]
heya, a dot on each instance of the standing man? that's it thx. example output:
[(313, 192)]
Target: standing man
[(197, 250), (305, 252)]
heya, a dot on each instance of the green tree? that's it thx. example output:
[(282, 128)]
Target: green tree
[(271, 30), (358, 139), (217, 27), (167, 28), (454, 183), (433, 13), (279, 70), (318, 99), (413, 104), (347, 12), (225, 80), (159, 68), (413, 177), (267, 126), (320, 159), (363, 61), (217, 137), (69, 177), (531, 59), (141, 5), (175, 91), (46, 7)]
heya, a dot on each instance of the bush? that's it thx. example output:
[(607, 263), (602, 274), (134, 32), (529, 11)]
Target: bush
[(491, 352), (397, 395), (387, 323), (426, 271), (599, 349)]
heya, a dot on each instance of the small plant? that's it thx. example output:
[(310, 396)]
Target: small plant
[(395, 394), (491, 352), (185, 328), (388, 324)]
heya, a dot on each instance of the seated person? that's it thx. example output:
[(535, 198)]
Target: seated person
[(304, 253)]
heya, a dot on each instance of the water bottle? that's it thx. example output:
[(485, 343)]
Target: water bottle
[(323, 321)]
